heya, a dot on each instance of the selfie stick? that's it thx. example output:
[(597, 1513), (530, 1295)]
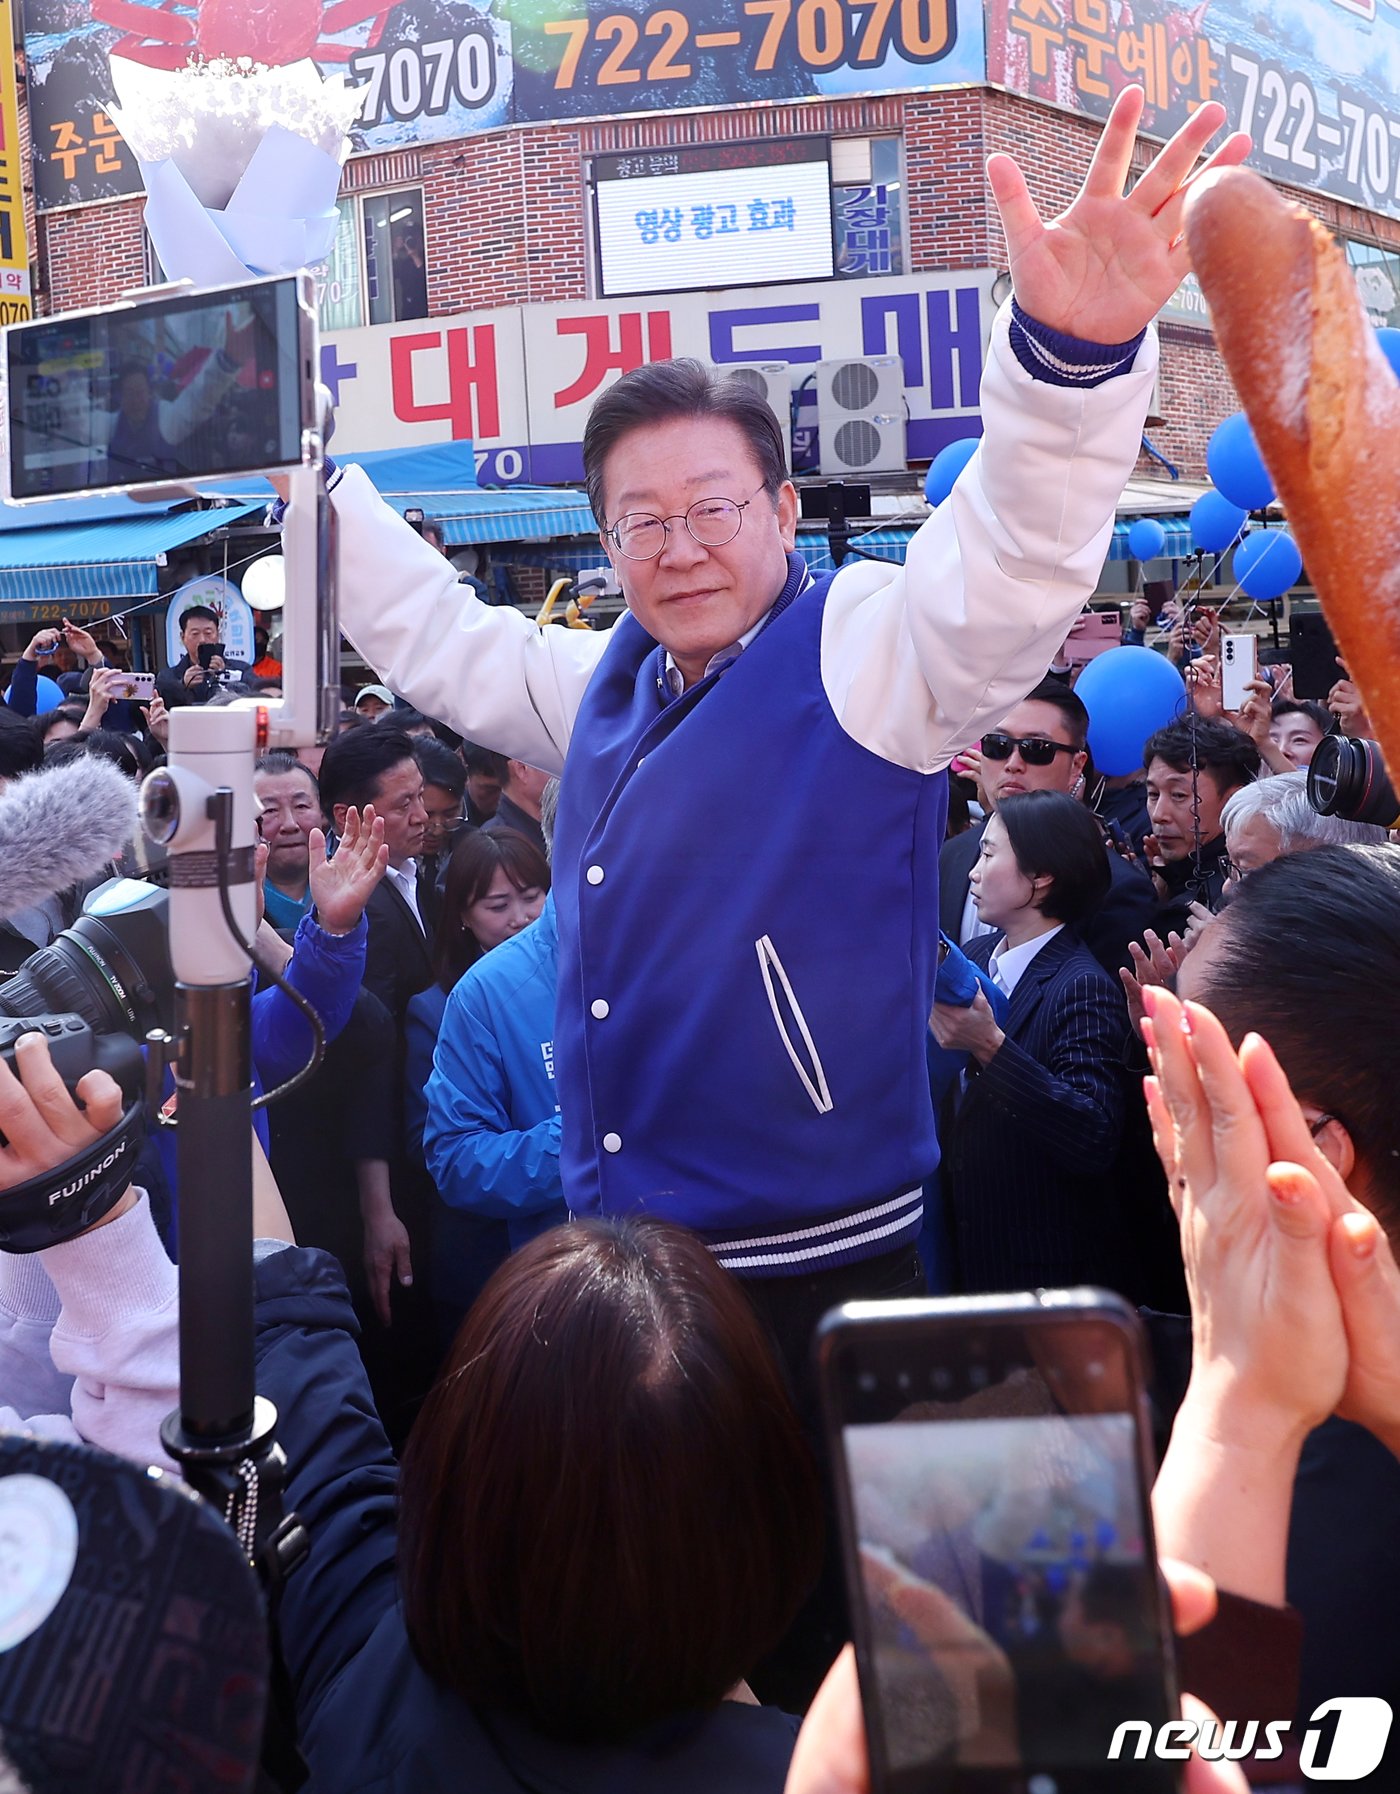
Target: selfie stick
[(202, 807)]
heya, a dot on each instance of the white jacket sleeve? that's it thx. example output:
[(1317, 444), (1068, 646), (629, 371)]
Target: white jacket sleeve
[(917, 664), (486, 670), (113, 1345)]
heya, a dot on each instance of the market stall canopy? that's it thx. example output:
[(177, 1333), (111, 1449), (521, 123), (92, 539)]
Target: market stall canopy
[(98, 548)]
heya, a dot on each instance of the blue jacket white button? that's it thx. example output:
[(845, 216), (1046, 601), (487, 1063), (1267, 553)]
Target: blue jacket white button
[(599, 1007), (594, 875), (612, 1142)]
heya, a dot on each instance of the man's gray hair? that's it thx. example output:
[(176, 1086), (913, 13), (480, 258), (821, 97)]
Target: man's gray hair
[(1282, 802), (549, 809)]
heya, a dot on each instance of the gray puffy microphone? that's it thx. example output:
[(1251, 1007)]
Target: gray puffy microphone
[(60, 827)]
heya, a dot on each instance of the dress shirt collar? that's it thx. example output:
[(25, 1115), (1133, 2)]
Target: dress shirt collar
[(675, 683), (405, 879), (1009, 965)]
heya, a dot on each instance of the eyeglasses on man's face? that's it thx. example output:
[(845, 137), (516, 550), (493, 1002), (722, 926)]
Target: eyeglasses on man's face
[(1035, 750), (711, 521)]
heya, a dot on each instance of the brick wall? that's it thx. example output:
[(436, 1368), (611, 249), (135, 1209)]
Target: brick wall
[(507, 212), (92, 254)]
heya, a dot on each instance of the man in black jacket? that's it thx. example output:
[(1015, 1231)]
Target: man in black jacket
[(1041, 746), (189, 682)]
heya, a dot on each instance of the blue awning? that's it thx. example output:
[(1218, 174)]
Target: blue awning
[(111, 559), (1179, 544), (440, 481)]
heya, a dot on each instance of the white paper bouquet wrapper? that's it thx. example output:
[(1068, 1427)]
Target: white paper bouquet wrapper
[(241, 163)]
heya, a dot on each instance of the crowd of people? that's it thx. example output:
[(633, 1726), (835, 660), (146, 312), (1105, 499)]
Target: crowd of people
[(703, 998)]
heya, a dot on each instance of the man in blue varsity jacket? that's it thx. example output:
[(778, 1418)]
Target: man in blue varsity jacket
[(744, 990)]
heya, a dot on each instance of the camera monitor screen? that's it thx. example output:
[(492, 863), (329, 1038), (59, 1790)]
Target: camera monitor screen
[(192, 386)]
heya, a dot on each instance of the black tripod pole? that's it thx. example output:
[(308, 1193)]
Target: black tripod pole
[(214, 1117), (222, 1435)]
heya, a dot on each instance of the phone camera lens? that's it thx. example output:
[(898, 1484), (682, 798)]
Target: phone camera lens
[(903, 1380), (867, 1382)]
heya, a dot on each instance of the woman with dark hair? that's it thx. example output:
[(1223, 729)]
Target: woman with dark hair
[(606, 1515), (496, 885), (1034, 1173)]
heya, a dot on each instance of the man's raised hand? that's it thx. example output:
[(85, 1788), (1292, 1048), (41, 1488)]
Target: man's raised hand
[(341, 887), (1104, 268)]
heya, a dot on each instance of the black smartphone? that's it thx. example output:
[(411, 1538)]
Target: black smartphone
[(1313, 653), (207, 651), (992, 1464)]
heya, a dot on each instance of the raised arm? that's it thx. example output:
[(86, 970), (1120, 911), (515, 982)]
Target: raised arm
[(486, 670), (918, 664)]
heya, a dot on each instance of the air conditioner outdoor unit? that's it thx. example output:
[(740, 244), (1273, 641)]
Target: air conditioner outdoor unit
[(771, 380), (860, 415)]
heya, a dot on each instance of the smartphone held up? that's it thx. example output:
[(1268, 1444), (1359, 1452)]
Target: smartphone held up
[(992, 1469)]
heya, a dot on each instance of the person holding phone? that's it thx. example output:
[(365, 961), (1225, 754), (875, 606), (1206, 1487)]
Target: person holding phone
[(1031, 1172), (200, 671)]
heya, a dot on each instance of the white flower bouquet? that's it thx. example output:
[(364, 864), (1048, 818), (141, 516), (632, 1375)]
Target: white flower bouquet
[(241, 163)]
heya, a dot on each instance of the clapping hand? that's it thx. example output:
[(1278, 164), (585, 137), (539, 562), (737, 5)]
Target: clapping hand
[(1295, 1293), (1104, 268), (341, 887), (1155, 961)]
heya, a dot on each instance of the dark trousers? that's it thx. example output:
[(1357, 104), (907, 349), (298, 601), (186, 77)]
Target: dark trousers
[(791, 1308)]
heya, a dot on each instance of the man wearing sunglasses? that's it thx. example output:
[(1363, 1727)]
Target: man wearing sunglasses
[(1041, 746), (744, 988)]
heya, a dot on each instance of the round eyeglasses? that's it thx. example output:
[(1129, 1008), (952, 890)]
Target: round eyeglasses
[(712, 521)]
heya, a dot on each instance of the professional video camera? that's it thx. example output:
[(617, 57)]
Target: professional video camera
[(112, 967), (1347, 777)]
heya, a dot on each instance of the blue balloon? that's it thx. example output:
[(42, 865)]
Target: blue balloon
[(1235, 464), (1146, 539), (1267, 563), (945, 467), (50, 694), (1389, 341), (1215, 522), (1129, 693)]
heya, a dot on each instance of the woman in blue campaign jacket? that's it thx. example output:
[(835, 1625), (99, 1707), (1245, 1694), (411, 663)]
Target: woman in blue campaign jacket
[(605, 1517), (494, 889)]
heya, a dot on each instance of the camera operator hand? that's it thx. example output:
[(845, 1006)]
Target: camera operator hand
[(830, 1756), (341, 887), (42, 1124), (195, 675)]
